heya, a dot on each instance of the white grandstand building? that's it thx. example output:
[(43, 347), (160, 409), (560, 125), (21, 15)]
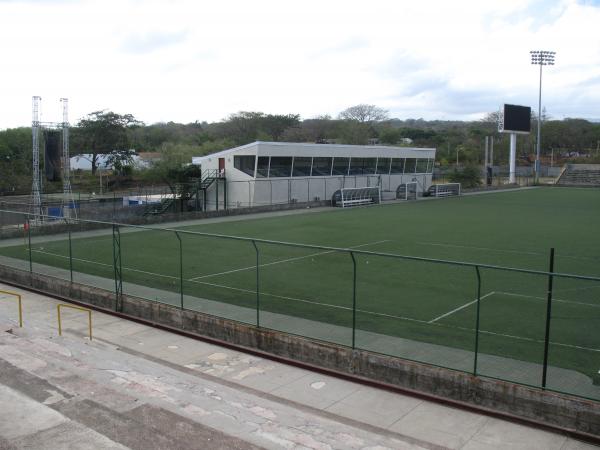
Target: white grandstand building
[(263, 173)]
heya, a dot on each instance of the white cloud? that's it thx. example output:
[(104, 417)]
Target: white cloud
[(187, 60)]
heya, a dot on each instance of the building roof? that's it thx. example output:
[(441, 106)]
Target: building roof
[(333, 148)]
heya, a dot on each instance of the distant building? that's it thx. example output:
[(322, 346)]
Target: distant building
[(84, 162), (144, 160), (263, 173), (141, 160)]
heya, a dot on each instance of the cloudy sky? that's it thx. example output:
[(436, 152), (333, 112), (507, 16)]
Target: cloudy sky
[(187, 60)]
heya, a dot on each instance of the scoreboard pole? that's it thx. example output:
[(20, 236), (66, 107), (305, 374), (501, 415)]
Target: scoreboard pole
[(513, 158)]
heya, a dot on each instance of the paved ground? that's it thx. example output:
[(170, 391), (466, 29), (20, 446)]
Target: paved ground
[(137, 387)]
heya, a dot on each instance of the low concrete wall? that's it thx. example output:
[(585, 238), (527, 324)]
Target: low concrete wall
[(580, 415)]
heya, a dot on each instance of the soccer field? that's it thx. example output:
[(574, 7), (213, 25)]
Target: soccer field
[(423, 309)]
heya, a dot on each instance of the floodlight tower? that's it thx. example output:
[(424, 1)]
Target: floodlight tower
[(66, 161), (541, 58), (36, 188)]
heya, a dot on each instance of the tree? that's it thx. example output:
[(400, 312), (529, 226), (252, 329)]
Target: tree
[(390, 135), (319, 130), (469, 177), (15, 160), (354, 133), (248, 126), (102, 132), (174, 158), (364, 113), (120, 160), (275, 124)]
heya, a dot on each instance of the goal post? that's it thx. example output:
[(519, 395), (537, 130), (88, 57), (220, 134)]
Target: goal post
[(407, 191), (347, 197)]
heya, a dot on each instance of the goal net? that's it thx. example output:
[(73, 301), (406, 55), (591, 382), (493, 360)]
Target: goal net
[(407, 191), (356, 196)]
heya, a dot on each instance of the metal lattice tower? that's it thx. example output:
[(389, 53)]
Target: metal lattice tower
[(36, 205), (66, 161), (36, 188)]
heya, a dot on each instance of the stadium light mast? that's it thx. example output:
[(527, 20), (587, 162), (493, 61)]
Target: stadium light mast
[(541, 58)]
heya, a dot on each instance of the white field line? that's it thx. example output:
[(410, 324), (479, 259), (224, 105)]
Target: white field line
[(577, 289), (519, 252), (440, 244), (460, 307), (104, 264), (279, 262), (491, 333), (512, 294)]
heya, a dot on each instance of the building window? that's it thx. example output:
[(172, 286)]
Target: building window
[(410, 166), (362, 166), (383, 166), (262, 168), (356, 166), (321, 167), (369, 165), (244, 163), (340, 166), (430, 166), (397, 165), (281, 166), (301, 166), (422, 165)]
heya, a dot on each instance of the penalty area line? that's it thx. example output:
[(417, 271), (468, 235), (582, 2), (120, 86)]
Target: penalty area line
[(460, 307), (281, 261)]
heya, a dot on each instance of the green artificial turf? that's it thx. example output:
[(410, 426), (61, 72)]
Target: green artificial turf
[(421, 301)]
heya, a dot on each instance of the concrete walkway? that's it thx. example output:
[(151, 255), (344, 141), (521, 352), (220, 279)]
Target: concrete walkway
[(137, 387)]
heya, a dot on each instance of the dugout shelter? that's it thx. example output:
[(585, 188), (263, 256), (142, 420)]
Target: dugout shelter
[(265, 173)]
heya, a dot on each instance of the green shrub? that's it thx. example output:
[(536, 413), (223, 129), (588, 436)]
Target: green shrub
[(468, 177)]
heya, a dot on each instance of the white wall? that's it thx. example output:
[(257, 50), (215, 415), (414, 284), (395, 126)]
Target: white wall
[(243, 190)]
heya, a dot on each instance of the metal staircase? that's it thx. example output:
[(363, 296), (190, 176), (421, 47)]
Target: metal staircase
[(209, 178), (196, 191)]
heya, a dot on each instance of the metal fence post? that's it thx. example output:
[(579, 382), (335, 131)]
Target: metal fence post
[(70, 255), (548, 315), (477, 320), (117, 265), (2, 206), (28, 224), (353, 299), (180, 268), (257, 284)]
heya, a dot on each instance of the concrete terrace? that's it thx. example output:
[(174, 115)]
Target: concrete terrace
[(528, 373), (135, 386)]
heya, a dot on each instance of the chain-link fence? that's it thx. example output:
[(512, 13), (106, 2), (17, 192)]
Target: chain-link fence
[(533, 327)]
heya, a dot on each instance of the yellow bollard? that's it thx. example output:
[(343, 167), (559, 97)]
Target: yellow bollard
[(20, 305), (65, 305)]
